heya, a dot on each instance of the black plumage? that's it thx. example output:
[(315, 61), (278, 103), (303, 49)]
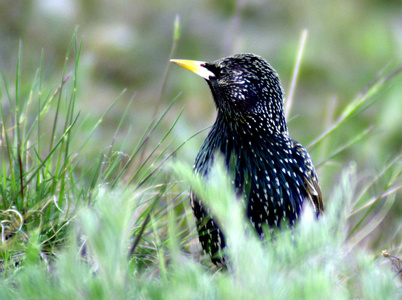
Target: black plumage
[(273, 173)]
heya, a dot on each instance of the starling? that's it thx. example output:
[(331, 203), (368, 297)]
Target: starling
[(273, 173)]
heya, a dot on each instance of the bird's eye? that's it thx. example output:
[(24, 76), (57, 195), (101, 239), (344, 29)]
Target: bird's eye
[(223, 72)]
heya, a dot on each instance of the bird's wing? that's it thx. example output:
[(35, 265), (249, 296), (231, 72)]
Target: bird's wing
[(313, 188), (314, 192)]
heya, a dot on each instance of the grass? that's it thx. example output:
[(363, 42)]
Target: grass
[(119, 225)]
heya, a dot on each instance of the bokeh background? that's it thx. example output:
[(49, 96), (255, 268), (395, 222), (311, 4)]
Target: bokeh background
[(127, 45)]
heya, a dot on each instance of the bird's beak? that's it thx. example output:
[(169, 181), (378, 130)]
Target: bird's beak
[(194, 66)]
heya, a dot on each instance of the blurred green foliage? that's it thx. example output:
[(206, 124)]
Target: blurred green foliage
[(126, 44)]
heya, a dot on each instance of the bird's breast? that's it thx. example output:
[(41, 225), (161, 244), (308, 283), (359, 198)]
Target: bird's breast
[(266, 172)]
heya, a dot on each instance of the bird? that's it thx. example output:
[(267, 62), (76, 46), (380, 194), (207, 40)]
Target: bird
[(270, 171)]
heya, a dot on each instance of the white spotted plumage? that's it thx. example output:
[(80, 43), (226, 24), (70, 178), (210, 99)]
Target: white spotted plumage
[(272, 174)]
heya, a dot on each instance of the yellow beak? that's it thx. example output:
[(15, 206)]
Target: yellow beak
[(194, 66)]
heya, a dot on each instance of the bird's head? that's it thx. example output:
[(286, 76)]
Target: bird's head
[(243, 86)]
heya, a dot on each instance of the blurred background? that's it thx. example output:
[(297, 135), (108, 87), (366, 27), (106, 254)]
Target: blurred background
[(127, 45)]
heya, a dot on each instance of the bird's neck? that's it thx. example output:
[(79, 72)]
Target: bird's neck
[(231, 136), (248, 126)]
